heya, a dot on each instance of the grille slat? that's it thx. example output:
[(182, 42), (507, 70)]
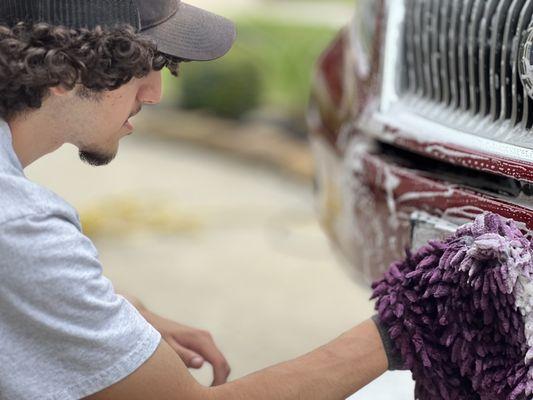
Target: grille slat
[(498, 27), (464, 86), (409, 41), (426, 47), (473, 54), (443, 44), (453, 52), (465, 54), (506, 67), (517, 90), (527, 118), (435, 50), (485, 36), (419, 60)]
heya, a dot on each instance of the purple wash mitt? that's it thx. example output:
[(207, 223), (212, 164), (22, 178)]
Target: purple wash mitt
[(460, 313)]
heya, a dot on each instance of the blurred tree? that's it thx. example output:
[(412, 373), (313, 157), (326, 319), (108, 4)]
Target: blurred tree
[(228, 88)]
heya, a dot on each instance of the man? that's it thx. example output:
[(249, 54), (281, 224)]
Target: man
[(76, 71)]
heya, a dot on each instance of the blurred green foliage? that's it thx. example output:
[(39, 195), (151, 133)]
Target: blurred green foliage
[(283, 56), (228, 88)]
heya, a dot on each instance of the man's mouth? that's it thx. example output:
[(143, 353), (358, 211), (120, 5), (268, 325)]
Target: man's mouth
[(128, 125)]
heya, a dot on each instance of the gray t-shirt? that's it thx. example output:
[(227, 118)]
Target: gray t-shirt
[(64, 332)]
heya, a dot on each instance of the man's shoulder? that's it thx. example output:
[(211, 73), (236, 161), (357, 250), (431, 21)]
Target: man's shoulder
[(21, 198)]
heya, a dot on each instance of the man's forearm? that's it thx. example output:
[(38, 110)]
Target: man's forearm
[(334, 371)]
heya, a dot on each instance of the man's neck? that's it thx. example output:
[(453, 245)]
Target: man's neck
[(33, 137)]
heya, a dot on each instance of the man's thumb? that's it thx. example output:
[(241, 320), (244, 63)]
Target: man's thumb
[(190, 358)]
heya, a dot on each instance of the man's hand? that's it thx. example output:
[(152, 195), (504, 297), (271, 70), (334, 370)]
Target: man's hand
[(194, 346)]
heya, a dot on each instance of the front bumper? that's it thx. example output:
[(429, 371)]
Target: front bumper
[(366, 203)]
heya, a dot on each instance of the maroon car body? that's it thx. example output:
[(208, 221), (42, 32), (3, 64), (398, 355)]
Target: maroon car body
[(419, 112)]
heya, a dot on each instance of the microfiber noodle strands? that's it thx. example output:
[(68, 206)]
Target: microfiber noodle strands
[(459, 312)]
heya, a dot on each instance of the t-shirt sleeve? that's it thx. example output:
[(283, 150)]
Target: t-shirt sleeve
[(64, 332)]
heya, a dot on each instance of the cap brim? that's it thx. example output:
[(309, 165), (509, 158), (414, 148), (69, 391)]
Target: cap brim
[(193, 34)]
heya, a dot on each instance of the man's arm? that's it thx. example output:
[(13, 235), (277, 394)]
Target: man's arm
[(334, 371)]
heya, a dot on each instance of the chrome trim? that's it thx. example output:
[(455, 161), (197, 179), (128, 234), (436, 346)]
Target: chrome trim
[(391, 59), (425, 130)]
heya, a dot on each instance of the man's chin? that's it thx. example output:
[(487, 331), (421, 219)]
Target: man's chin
[(96, 159)]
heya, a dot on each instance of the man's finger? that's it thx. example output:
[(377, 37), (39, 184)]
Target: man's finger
[(207, 348), (221, 371), (190, 358), (221, 368)]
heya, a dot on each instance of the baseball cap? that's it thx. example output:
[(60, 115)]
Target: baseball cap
[(179, 29)]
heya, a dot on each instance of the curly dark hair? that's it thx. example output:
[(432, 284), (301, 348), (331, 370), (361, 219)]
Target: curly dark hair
[(37, 57)]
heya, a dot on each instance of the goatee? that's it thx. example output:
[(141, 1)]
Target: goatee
[(96, 159)]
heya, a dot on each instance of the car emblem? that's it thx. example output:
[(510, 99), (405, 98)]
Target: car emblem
[(525, 63)]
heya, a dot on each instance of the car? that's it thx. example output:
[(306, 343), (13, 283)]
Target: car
[(420, 119)]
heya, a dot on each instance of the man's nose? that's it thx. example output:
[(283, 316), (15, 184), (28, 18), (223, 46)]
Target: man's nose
[(151, 90)]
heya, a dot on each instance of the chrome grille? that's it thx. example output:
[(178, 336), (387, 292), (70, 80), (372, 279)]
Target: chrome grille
[(464, 54)]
